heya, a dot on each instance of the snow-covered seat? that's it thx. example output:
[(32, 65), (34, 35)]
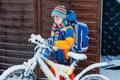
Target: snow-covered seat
[(77, 56)]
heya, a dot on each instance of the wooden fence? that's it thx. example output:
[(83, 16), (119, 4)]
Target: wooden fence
[(20, 18)]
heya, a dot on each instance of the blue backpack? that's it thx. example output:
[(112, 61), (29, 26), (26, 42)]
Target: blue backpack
[(81, 31)]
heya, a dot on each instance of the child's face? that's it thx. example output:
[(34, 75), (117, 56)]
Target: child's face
[(58, 20)]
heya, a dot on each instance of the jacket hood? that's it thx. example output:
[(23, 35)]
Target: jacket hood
[(71, 16)]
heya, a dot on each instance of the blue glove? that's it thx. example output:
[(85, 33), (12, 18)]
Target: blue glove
[(46, 53)]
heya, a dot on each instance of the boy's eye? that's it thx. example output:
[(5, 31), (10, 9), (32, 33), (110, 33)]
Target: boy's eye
[(57, 17)]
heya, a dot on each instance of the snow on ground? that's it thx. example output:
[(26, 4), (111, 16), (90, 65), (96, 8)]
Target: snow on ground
[(111, 74)]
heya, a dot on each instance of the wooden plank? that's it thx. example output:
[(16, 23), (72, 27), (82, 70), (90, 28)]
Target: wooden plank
[(27, 55), (16, 54), (4, 66), (19, 9), (15, 41), (87, 15), (99, 11), (18, 27), (92, 50), (25, 52), (83, 19), (48, 20), (95, 71), (39, 16), (83, 64), (92, 58), (84, 7), (14, 38), (25, 36), (12, 23), (17, 16), (16, 31), (93, 34), (18, 12), (92, 25), (20, 53), (11, 60), (17, 5), (2, 53), (93, 42), (18, 48), (15, 44), (16, 2), (84, 2)]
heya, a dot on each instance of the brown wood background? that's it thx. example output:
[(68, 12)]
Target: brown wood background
[(20, 18), (17, 22)]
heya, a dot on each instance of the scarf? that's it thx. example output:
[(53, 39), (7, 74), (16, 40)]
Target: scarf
[(56, 29)]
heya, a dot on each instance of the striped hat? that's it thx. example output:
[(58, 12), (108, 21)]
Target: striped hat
[(59, 11)]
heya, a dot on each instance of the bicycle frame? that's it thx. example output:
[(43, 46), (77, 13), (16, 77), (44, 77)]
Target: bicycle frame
[(38, 58)]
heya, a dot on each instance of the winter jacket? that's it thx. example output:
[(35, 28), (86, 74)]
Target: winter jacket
[(64, 43)]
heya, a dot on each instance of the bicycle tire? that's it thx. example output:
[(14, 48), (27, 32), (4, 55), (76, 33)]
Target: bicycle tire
[(95, 77), (14, 72)]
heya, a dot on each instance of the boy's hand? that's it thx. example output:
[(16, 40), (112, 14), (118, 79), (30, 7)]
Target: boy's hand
[(55, 48)]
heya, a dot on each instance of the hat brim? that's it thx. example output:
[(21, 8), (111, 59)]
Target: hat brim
[(58, 14)]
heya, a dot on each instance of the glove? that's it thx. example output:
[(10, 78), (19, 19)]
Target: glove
[(50, 42), (46, 53)]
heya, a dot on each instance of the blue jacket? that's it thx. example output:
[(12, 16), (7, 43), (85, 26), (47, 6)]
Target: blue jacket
[(65, 40)]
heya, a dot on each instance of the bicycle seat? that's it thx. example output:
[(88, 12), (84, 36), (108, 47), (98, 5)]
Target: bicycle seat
[(77, 56)]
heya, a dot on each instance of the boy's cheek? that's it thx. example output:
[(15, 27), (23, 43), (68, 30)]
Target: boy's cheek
[(58, 21)]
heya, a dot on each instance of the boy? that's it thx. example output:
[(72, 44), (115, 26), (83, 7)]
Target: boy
[(63, 35)]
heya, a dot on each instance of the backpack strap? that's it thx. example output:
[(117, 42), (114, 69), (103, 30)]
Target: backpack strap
[(65, 29), (74, 33), (69, 27)]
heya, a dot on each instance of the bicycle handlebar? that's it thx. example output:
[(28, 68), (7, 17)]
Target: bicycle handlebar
[(37, 39)]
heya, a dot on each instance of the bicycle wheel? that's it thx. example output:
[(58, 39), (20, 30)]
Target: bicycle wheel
[(94, 77), (16, 73)]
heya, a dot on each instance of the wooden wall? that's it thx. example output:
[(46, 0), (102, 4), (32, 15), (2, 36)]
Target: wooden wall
[(20, 18), (17, 23)]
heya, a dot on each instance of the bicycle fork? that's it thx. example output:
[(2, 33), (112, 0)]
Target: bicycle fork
[(30, 66)]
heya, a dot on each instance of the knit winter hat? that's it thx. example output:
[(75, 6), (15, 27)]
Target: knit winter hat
[(59, 11)]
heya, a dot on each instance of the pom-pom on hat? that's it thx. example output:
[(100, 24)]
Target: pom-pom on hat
[(59, 11)]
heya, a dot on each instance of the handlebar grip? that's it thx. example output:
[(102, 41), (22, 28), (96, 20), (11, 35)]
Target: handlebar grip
[(36, 39)]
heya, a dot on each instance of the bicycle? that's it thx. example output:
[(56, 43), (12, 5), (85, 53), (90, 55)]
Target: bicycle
[(25, 71)]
